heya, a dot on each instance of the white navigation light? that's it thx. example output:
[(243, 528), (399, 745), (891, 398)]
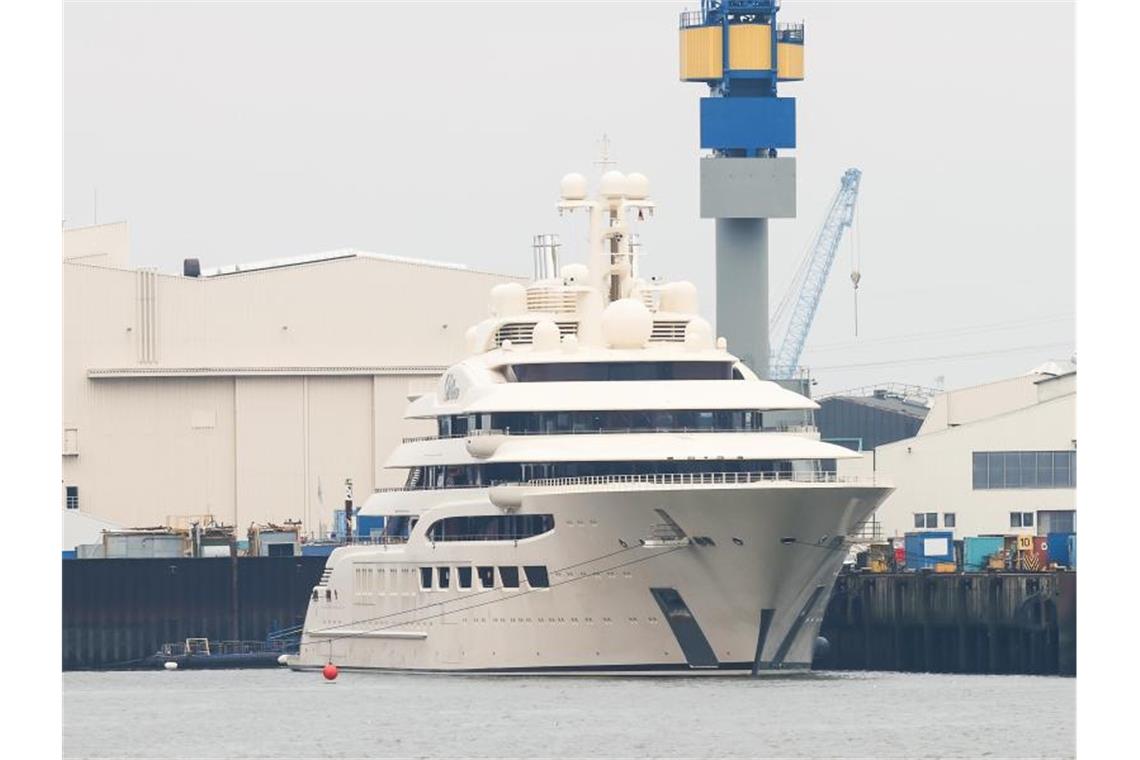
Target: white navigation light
[(546, 336), (637, 186), (698, 334), (627, 323), (614, 184), (574, 187), (679, 297), (508, 299)]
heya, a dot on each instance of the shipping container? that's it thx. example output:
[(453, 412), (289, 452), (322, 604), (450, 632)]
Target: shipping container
[(369, 525), (979, 549), (926, 549), (1059, 548)]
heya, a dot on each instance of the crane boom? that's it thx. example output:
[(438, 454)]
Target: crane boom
[(813, 276)]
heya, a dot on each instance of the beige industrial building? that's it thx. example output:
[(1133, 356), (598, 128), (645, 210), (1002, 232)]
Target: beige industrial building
[(998, 458), (248, 393)]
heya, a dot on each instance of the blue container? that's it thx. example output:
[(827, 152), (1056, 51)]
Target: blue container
[(69, 554), (317, 550), (1059, 548), (1073, 551), (369, 525), (926, 549), (979, 549)]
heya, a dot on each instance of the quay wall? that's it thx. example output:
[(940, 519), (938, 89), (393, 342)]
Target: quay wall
[(952, 623), (116, 611)]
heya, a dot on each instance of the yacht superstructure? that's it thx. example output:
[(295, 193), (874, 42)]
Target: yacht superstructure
[(608, 491)]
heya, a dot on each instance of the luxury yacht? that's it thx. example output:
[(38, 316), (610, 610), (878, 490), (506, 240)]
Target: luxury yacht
[(608, 490)]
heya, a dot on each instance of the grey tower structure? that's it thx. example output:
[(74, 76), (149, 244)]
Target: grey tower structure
[(738, 50)]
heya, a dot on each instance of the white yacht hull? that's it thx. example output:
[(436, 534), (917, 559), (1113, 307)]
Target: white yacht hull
[(613, 605)]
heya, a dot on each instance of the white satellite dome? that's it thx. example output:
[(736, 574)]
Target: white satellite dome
[(679, 297), (626, 323), (637, 186), (575, 274), (546, 336), (574, 187), (614, 184), (508, 299), (698, 334)]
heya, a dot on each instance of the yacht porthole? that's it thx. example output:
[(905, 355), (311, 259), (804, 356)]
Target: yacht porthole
[(737, 541)]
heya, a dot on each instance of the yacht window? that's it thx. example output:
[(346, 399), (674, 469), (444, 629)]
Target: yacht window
[(512, 527), (425, 578), (486, 576), (607, 371), (464, 576), (510, 576), (536, 576), (444, 576)]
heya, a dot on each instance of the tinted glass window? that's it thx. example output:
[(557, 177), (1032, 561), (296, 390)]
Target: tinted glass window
[(536, 576), (606, 371), (425, 577), (511, 527), (444, 576), (464, 576), (981, 479), (510, 576), (486, 576)]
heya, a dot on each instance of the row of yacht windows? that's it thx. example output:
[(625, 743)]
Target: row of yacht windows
[(379, 581), (510, 527), (440, 578), (481, 475), (602, 421), (609, 371)]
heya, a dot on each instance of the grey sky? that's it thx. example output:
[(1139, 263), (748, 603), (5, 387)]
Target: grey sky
[(236, 132)]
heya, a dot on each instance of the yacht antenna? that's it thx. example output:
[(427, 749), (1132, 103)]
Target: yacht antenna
[(603, 161)]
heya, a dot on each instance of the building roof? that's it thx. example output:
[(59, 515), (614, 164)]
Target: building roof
[(887, 403)]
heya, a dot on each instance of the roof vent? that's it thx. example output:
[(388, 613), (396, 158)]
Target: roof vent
[(191, 268)]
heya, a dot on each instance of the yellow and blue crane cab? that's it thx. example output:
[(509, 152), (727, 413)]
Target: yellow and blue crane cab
[(739, 50)]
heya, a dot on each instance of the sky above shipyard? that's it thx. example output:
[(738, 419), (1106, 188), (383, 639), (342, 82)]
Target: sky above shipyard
[(240, 132)]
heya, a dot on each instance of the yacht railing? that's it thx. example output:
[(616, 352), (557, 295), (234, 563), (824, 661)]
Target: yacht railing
[(666, 479), (702, 478), (616, 431)]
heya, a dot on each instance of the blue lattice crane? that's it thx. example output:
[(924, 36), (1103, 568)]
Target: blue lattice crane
[(807, 286)]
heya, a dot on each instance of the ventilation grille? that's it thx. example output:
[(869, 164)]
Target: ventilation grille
[(668, 331), (552, 300), (522, 333)]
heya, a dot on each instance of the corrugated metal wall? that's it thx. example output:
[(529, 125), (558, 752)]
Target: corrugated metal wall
[(119, 610)]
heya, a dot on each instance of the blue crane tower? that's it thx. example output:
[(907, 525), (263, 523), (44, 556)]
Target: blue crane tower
[(737, 48), (811, 276)]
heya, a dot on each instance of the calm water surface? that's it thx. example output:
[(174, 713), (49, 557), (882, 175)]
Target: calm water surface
[(281, 714)]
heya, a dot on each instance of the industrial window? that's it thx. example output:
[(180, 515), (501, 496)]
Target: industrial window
[(1021, 519), (510, 576), (536, 576), (950, 520), (73, 497), (486, 576), (926, 519), (1024, 469), (425, 578), (464, 576)]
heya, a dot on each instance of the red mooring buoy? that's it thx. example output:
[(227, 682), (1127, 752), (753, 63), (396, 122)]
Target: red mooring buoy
[(330, 672)]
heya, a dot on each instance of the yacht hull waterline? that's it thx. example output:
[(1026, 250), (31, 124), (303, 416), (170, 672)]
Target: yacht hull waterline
[(774, 547)]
